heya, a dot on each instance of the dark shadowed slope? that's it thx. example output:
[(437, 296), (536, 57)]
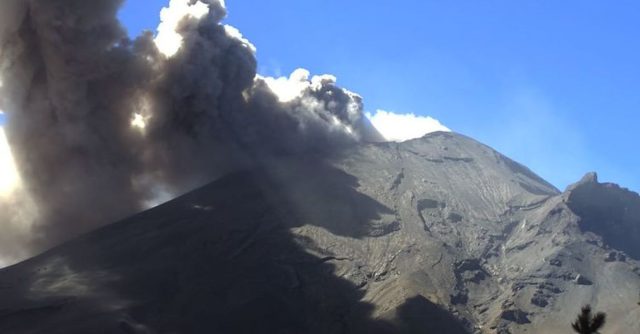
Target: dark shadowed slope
[(436, 235), (608, 210), (218, 260)]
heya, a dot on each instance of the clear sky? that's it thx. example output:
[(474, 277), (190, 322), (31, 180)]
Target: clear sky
[(553, 84)]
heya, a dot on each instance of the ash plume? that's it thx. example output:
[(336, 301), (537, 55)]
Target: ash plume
[(101, 125)]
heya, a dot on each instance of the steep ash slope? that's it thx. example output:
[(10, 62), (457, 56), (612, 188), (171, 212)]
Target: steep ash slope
[(218, 260), (436, 235)]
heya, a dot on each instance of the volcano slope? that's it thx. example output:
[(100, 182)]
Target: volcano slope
[(435, 235)]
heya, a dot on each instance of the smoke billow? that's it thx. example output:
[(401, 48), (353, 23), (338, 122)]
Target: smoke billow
[(100, 124)]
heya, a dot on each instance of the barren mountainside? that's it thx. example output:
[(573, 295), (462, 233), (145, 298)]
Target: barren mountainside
[(436, 235)]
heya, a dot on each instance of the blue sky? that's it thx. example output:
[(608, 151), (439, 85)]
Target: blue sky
[(554, 85)]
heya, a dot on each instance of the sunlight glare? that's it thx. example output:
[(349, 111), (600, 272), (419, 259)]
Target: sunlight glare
[(9, 177)]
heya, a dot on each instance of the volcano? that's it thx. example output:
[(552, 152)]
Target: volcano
[(440, 234)]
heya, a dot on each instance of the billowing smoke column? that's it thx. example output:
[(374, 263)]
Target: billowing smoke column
[(99, 124)]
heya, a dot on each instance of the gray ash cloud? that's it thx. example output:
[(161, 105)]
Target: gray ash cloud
[(100, 124)]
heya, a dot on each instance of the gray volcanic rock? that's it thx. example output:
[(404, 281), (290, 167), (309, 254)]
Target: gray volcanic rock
[(609, 211), (436, 235)]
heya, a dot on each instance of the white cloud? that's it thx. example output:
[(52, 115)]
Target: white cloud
[(288, 89), (168, 40), (401, 127), (234, 33)]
